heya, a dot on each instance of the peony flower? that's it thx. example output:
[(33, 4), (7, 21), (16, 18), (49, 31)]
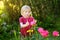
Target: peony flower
[(44, 33), (55, 33), (40, 29)]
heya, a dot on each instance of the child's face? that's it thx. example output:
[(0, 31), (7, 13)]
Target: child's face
[(26, 13)]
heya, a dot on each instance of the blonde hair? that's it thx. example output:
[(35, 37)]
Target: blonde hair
[(25, 7)]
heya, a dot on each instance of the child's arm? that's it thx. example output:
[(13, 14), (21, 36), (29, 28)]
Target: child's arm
[(24, 25)]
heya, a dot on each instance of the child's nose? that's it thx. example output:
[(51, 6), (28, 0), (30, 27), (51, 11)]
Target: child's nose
[(26, 12)]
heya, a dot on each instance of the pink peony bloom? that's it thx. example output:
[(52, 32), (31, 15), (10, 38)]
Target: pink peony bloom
[(55, 33), (40, 29), (44, 33)]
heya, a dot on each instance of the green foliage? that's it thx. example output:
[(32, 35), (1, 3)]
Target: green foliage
[(46, 12)]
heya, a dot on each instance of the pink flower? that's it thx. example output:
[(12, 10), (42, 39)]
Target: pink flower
[(55, 33), (40, 29), (44, 33)]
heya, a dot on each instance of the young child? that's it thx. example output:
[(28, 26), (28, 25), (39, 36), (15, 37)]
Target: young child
[(26, 21)]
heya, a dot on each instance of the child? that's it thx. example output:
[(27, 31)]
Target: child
[(26, 21)]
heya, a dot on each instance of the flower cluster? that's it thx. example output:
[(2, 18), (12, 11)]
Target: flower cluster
[(45, 33)]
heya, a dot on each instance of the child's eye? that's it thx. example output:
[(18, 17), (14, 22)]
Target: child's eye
[(29, 11), (25, 11)]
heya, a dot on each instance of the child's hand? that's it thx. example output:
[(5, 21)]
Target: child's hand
[(35, 21)]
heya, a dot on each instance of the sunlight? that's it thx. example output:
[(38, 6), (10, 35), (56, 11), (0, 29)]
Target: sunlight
[(10, 4), (1, 5), (7, 0)]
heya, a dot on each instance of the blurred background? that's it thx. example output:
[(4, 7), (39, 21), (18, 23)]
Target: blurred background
[(46, 12)]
